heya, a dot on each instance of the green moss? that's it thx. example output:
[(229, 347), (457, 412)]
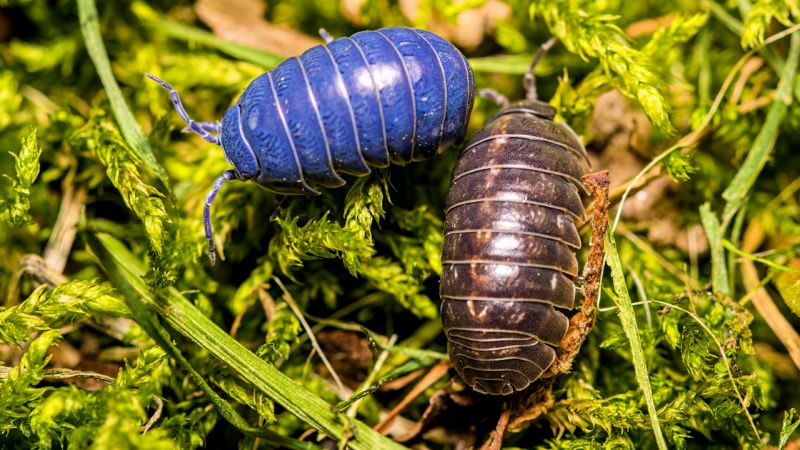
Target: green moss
[(14, 205)]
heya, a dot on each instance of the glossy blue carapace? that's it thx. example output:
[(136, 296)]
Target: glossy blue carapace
[(392, 95)]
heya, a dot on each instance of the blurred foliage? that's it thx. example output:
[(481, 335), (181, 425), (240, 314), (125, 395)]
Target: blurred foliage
[(364, 259), (16, 203)]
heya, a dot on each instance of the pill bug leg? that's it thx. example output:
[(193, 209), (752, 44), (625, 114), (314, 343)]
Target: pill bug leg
[(323, 33), (212, 194), (278, 208), (199, 128)]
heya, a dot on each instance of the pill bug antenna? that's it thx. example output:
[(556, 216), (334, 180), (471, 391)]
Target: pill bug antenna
[(204, 129), (211, 127), (530, 80), (494, 97), (212, 194)]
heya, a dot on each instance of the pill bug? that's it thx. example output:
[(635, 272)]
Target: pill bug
[(393, 95), (509, 264)]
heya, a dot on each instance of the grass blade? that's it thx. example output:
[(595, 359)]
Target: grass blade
[(732, 248), (128, 280), (762, 147), (90, 28), (719, 271), (736, 27), (179, 31), (694, 137), (507, 64), (628, 319), (181, 315)]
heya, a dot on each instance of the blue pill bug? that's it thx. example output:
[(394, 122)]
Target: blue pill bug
[(392, 95)]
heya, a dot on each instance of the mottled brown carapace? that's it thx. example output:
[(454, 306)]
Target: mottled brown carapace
[(509, 264)]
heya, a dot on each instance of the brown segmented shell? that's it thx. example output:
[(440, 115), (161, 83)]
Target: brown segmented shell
[(509, 252)]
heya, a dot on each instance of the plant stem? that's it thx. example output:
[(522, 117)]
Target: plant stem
[(628, 319), (90, 28), (181, 315)]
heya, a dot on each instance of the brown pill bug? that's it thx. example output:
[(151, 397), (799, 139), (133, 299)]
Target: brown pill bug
[(509, 265)]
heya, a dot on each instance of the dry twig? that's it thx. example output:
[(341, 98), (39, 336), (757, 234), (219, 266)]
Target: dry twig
[(433, 375), (753, 237), (537, 402)]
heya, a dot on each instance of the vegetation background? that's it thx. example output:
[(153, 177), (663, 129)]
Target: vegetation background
[(116, 332)]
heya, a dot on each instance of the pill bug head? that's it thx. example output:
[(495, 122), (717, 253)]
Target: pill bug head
[(537, 107), (237, 150)]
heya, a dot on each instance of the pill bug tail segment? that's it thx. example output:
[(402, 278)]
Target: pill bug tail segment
[(212, 194), (530, 80), (204, 129)]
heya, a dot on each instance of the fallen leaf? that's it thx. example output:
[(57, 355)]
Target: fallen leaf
[(242, 21)]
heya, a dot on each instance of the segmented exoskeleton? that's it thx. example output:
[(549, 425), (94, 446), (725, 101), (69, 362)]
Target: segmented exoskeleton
[(509, 260), (392, 95)]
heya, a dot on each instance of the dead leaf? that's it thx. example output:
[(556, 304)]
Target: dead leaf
[(349, 354), (242, 21), (616, 116)]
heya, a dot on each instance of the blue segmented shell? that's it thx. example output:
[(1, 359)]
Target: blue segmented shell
[(393, 95)]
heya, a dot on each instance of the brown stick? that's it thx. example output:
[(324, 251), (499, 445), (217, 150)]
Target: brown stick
[(540, 399), (647, 26), (615, 194), (582, 322), (403, 381), (60, 243), (496, 441), (431, 377), (753, 237), (435, 406)]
